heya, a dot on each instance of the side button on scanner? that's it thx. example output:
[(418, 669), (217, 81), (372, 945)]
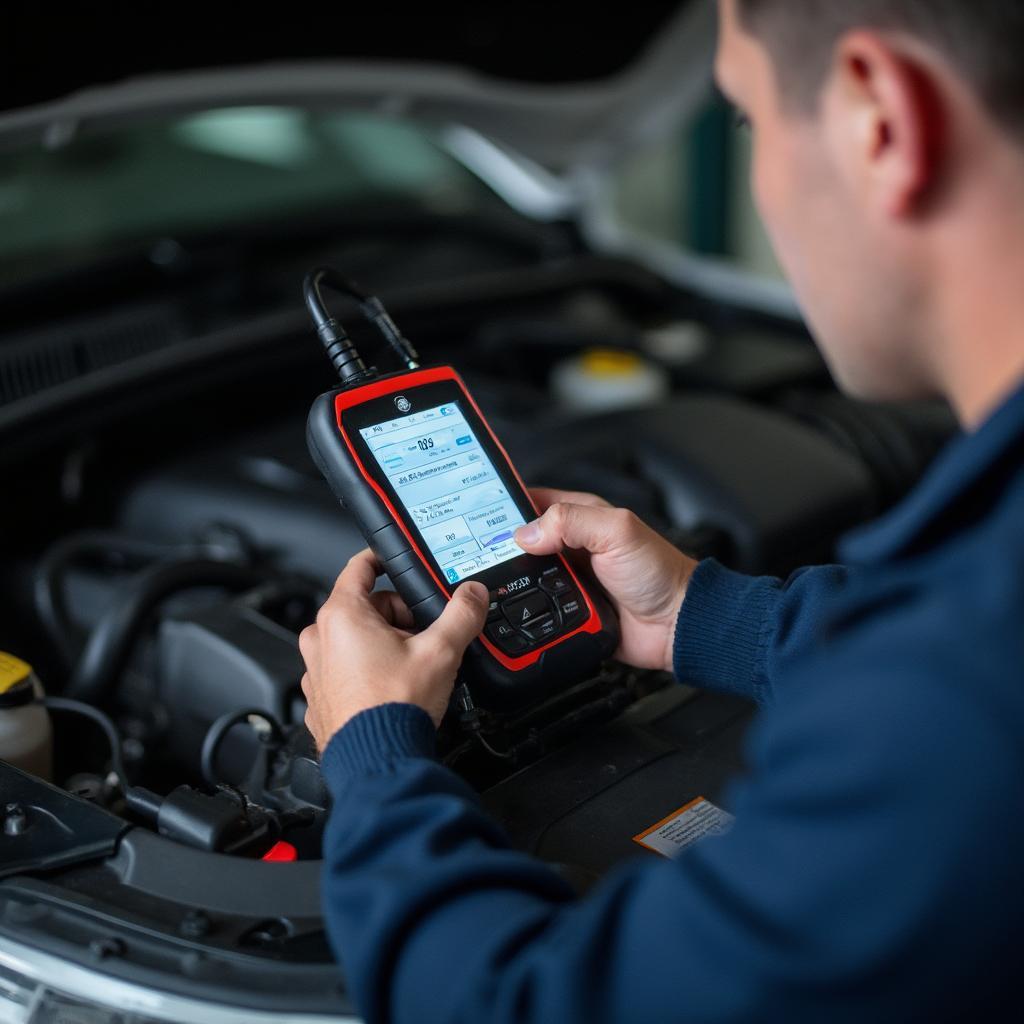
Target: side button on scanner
[(571, 608)]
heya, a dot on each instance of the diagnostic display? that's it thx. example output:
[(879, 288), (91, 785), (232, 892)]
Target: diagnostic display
[(449, 488)]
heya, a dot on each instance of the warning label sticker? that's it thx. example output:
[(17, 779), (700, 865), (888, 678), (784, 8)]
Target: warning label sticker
[(682, 828)]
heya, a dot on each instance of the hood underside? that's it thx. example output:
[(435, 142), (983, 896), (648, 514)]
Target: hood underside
[(564, 86)]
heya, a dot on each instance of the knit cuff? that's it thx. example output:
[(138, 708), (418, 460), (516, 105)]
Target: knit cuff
[(723, 631), (372, 741)]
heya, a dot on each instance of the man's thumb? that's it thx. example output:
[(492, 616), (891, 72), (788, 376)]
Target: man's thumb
[(564, 525), (463, 618)]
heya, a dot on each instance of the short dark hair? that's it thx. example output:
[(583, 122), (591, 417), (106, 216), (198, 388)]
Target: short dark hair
[(982, 39)]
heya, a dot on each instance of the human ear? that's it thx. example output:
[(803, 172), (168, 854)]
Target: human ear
[(883, 122)]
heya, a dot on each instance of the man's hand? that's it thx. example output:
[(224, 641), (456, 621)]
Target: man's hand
[(644, 575), (360, 653)]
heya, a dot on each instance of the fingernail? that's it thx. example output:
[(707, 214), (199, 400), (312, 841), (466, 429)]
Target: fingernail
[(528, 534), (477, 591)]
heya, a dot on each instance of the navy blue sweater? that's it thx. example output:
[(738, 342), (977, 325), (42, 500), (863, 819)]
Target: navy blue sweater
[(874, 868)]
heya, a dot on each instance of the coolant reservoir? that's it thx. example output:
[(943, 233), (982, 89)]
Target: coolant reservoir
[(26, 738), (603, 380)]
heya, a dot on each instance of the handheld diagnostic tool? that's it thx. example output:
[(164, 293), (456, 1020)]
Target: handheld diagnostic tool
[(411, 456)]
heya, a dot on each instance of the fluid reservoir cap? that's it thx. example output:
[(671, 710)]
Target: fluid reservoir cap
[(15, 681), (603, 380), (607, 362)]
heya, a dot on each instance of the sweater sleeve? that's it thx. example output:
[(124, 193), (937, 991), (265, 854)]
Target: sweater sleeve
[(850, 887), (735, 632)]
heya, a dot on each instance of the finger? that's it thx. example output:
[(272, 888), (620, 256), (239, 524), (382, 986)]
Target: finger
[(360, 574), (307, 643), (392, 608), (461, 621), (545, 497), (593, 528)]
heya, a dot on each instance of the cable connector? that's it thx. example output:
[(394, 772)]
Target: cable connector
[(471, 722), (221, 822), (469, 714), (337, 344), (374, 311)]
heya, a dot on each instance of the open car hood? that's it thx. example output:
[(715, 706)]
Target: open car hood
[(564, 87)]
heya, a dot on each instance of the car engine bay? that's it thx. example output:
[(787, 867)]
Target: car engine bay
[(166, 537)]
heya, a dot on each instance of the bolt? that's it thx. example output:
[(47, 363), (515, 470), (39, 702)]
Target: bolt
[(25, 913), (104, 948), (195, 924), (15, 820), (195, 964)]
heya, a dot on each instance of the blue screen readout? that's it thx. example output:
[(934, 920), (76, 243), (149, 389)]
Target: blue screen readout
[(449, 488)]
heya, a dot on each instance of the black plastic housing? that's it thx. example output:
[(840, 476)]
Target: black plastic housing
[(493, 684)]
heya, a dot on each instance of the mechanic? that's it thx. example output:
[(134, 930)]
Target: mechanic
[(873, 868)]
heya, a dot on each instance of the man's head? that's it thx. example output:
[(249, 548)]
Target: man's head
[(886, 133)]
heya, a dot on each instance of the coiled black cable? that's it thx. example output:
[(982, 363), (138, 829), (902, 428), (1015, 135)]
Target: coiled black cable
[(104, 721), (48, 584), (110, 645), (220, 728)]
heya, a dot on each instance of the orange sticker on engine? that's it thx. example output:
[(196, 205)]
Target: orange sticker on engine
[(682, 828)]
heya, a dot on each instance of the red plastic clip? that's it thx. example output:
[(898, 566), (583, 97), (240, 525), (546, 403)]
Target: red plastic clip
[(281, 852)]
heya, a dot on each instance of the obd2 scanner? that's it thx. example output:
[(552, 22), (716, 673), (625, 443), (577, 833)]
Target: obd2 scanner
[(411, 456)]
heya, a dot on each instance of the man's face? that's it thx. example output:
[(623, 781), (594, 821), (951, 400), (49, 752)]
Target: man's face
[(843, 257)]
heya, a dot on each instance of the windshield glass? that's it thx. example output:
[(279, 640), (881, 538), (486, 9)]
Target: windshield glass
[(83, 197)]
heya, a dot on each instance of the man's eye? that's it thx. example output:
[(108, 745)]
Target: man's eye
[(742, 120)]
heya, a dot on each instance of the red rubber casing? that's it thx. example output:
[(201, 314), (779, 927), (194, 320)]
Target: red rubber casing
[(496, 679)]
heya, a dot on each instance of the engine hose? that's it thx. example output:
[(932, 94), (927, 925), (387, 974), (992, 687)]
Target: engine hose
[(48, 585), (221, 727), (104, 721), (110, 644)]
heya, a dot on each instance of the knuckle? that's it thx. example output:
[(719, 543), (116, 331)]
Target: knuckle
[(561, 514), (360, 558), (328, 614), (625, 520)]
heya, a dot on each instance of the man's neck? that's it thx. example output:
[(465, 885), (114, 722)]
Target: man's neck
[(980, 299)]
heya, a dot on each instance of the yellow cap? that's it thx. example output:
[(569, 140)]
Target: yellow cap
[(610, 362), (12, 671)]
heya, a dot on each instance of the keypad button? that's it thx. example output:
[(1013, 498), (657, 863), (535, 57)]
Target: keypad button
[(500, 630), (571, 608), (556, 583), (542, 629), (507, 638), (524, 610)]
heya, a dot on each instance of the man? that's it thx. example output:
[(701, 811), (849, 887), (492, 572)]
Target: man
[(873, 869)]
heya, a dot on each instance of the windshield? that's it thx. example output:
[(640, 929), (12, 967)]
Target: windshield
[(84, 197)]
